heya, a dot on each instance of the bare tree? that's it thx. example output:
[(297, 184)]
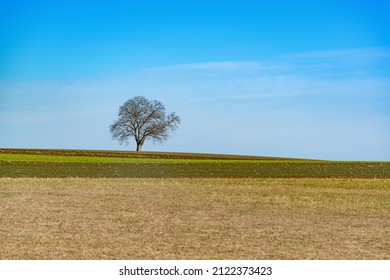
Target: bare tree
[(141, 119)]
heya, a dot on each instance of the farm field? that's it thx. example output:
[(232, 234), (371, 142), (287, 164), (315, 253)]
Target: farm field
[(106, 164), (120, 205), (194, 218)]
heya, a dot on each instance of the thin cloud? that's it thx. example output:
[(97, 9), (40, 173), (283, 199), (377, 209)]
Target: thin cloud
[(286, 99), (373, 53), (217, 65), (295, 75)]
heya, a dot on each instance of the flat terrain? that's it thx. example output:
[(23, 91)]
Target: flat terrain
[(106, 164), (194, 218), (70, 205)]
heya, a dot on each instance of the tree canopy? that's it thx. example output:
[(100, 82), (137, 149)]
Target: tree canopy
[(143, 119)]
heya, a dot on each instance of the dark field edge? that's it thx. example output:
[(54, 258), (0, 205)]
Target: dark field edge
[(133, 154), (196, 170)]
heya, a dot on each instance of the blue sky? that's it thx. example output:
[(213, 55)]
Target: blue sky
[(306, 79)]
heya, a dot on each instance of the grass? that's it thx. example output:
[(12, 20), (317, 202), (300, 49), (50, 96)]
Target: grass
[(194, 218), (71, 163), (67, 204), (130, 155), (105, 159)]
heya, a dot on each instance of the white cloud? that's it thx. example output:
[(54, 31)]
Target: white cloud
[(372, 53), (217, 65)]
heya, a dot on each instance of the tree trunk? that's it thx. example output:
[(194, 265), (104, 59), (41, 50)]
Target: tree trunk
[(139, 147)]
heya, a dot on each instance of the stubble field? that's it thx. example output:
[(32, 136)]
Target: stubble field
[(194, 217)]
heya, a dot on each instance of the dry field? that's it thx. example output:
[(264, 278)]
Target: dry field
[(194, 218)]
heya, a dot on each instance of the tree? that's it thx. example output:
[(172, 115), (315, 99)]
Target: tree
[(143, 119)]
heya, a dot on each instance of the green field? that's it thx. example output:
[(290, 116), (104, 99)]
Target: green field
[(71, 163), (120, 158)]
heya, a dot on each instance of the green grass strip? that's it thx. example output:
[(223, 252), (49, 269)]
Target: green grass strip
[(92, 159)]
